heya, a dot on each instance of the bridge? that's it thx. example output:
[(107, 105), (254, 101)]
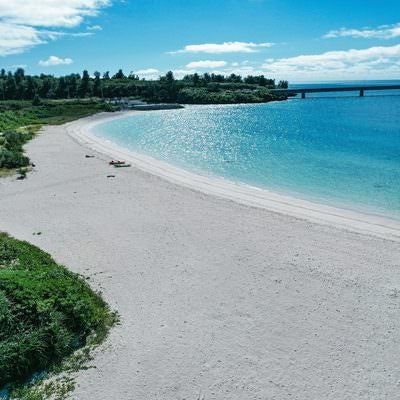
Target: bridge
[(360, 89)]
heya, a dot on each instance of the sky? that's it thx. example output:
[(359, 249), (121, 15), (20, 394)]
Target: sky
[(297, 40)]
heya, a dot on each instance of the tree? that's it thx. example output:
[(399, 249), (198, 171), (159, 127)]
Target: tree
[(169, 90), (72, 85), (119, 75), (83, 89), (235, 78), (2, 90), (196, 79), (283, 84), (262, 81), (61, 91), (207, 77), (169, 76), (45, 87), (30, 88), (11, 87), (97, 87), (19, 75), (250, 80)]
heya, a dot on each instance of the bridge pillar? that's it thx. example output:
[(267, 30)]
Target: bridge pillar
[(362, 93), (303, 95)]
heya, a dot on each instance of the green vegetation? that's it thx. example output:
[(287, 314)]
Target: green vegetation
[(46, 313), (219, 96), (15, 114), (195, 88), (20, 120), (11, 152)]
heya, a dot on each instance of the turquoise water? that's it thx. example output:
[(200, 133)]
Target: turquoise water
[(340, 150)]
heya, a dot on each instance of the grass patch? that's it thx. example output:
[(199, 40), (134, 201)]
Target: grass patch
[(11, 149), (16, 114), (46, 314)]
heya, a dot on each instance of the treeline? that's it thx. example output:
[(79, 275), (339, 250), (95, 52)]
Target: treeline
[(261, 80), (197, 95), (192, 88)]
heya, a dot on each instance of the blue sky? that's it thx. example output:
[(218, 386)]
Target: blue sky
[(298, 40)]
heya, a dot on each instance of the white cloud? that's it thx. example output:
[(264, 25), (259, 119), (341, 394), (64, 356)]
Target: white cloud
[(15, 66), (381, 32), (373, 62), (226, 47), (54, 61), (180, 73), (49, 13), (25, 23), (80, 34), (206, 64), (148, 73), (380, 62), (94, 28), (15, 39)]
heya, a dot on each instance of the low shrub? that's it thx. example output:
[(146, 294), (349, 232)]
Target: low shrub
[(11, 150), (46, 311)]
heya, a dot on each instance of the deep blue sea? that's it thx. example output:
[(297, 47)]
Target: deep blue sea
[(338, 149)]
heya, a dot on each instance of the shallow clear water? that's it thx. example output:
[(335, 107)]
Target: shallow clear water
[(340, 150)]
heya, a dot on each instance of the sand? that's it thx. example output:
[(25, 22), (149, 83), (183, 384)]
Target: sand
[(219, 296)]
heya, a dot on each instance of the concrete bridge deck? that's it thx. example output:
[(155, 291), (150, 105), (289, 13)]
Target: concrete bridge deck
[(360, 89)]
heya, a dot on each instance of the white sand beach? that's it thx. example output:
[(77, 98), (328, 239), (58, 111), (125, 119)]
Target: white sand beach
[(224, 291)]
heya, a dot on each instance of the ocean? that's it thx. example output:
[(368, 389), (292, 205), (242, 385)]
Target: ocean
[(337, 149)]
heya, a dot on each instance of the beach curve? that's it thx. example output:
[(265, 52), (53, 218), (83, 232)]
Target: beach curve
[(384, 227)]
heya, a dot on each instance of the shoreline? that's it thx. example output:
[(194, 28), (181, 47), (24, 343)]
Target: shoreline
[(360, 222)]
